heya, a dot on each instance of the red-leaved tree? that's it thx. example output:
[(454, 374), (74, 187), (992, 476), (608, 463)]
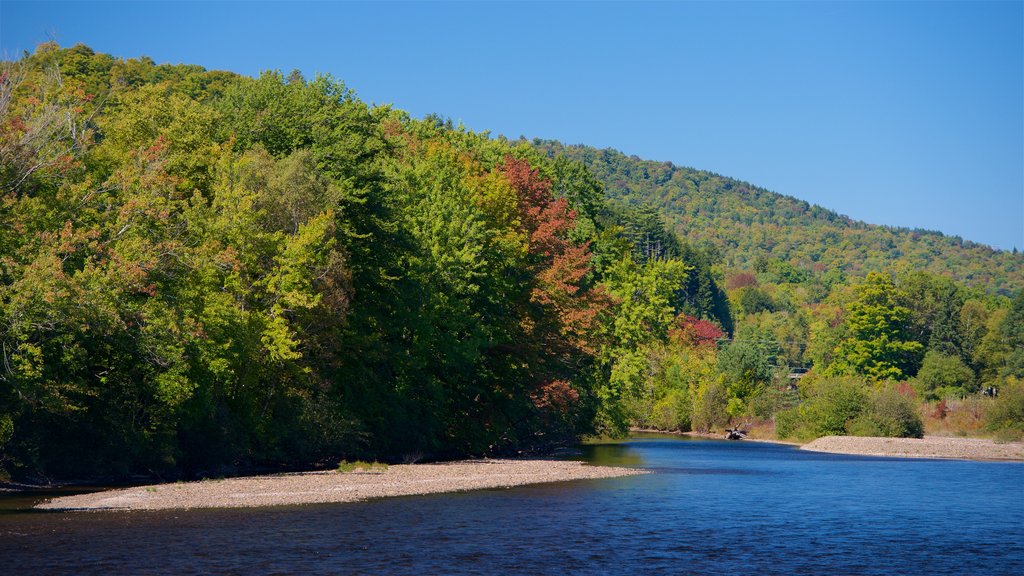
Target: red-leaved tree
[(692, 331), (564, 311)]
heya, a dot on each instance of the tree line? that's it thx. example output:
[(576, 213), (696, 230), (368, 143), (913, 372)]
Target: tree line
[(202, 272)]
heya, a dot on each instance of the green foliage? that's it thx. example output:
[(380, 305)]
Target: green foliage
[(788, 424), (831, 404), (643, 317), (941, 375), (673, 411), (203, 271), (6, 429), (877, 345), (1011, 332), (772, 401), (753, 300), (747, 370), (644, 230), (1006, 415), (345, 467), (934, 303), (789, 238), (212, 270), (890, 414), (710, 406), (6, 432), (841, 406)]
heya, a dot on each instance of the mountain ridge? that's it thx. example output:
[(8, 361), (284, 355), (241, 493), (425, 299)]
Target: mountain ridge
[(749, 224)]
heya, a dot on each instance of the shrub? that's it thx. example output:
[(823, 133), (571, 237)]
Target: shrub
[(889, 413), (958, 417), (1006, 414), (839, 406), (864, 425), (788, 424), (772, 400), (6, 432), (6, 429), (709, 406), (345, 467), (747, 369), (833, 402), (943, 375), (672, 412)]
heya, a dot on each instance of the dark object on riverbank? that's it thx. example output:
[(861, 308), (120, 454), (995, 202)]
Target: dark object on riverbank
[(735, 434)]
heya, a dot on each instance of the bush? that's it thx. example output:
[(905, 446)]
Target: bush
[(864, 425), (788, 424), (747, 369), (833, 402), (6, 432), (6, 429), (841, 406), (672, 412), (345, 467), (771, 401), (942, 375), (889, 414), (1006, 415), (709, 407)]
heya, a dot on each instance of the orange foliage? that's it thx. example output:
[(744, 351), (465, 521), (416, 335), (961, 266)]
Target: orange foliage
[(561, 266)]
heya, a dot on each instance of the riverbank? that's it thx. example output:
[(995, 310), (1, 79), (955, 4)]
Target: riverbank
[(927, 447), (712, 436), (335, 487)]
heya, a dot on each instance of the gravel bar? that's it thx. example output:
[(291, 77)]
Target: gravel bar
[(927, 447), (330, 487)]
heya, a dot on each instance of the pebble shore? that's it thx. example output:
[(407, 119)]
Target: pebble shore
[(330, 487), (927, 447)]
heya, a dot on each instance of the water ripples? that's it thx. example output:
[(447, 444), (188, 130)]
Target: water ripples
[(712, 508)]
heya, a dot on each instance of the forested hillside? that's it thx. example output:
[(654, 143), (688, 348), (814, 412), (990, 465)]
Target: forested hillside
[(202, 272), (750, 226), (878, 316)]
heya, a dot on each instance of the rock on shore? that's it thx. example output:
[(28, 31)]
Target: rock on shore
[(329, 487), (927, 447)]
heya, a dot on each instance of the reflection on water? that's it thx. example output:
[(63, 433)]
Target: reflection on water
[(22, 502), (712, 507), (615, 454)]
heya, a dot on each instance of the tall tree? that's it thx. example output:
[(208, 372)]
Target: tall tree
[(878, 344)]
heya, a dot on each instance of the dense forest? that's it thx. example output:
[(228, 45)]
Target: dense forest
[(884, 320), (202, 272)]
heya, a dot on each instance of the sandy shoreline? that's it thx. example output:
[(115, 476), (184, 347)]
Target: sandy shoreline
[(416, 479), (332, 487), (927, 447)]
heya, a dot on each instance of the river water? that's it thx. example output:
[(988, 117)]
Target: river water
[(710, 507)]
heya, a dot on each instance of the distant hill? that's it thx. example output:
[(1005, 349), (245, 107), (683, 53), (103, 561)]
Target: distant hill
[(750, 226)]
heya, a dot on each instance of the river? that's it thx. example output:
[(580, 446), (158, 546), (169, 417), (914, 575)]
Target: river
[(711, 507)]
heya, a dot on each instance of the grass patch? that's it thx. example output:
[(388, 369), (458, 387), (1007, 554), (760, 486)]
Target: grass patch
[(345, 467)]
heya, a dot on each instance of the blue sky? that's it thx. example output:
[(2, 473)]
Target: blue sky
[(908, 114)]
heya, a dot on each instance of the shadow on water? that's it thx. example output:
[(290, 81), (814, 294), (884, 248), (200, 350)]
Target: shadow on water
[(23, 501)]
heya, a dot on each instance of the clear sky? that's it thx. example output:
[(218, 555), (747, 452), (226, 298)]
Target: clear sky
[(908, 114)]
